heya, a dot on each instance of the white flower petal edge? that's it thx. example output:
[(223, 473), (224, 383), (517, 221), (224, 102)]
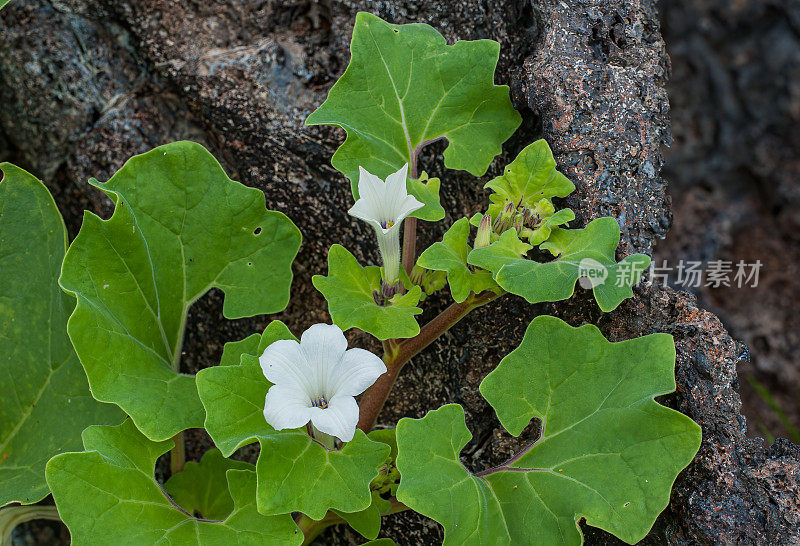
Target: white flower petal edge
[(316, 379), (338, 419), (384, 205)]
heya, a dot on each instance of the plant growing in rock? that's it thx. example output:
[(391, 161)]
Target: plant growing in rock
[(606, 451)]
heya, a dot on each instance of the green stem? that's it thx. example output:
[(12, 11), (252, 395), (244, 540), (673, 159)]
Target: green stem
[(11, 516), (312, 528), (401, 352), (177, 455)]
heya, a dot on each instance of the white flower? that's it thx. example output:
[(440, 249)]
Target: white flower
[(315, 380), (385, 205)]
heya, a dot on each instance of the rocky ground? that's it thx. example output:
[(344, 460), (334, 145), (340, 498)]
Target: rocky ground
[(734, 175), (84, 84)]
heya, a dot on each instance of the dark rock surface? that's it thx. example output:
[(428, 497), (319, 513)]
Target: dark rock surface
[(86, 84), (734, 173)]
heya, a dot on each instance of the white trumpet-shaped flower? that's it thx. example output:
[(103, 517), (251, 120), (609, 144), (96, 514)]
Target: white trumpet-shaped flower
[(315, 380), (384, 205)]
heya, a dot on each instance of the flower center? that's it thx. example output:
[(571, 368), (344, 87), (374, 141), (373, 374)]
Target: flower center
[(387, 224), (319, 402)]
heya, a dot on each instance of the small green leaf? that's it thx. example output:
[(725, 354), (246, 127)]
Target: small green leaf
[(404, 88), (532, 176), (233, 425), (180, 228), (579, 252), (349, 290), (108, 495), (450, 255), (46, 401), (507, 250), (607, 451), (543, 231), (427, 192), (295, 473), (367, 522), (202, 488)]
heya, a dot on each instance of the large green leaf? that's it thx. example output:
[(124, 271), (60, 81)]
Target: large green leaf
[(45, 402), (450, 255), (350, 291), (108, 495), (202, 488), (532, 176), (295, 473), (180, 228), (405, 87), (607, 452), (578, 252)]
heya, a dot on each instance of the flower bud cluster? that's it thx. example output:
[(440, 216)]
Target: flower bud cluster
[(429, 280), (525, 219)]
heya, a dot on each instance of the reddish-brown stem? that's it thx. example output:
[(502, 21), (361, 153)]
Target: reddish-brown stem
[(410, 227), (409, 244), (401, 352)]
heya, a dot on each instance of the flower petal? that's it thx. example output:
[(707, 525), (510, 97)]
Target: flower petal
[(357, 370), (361, 210), (407, 206), (371, 188), (287, 407), (338, 419), (324, 346), (284, 362), (395, 191)]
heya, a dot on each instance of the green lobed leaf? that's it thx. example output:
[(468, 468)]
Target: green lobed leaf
[(368, 522), (108, 495), (295, 473), (427, 192), (405, 87), (349, 289), (46, 401), (450, 255), (543, 231), (607, 452), (202, 488), (180, 228), (532, 176), (577, 251)]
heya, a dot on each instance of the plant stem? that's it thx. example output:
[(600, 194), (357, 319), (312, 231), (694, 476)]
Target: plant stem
[(401, 352), (11, 516), (311, 528), (410, 227), (177, 455), (409, 244)]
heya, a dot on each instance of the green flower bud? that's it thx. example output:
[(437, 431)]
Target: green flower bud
[(484, 231)]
